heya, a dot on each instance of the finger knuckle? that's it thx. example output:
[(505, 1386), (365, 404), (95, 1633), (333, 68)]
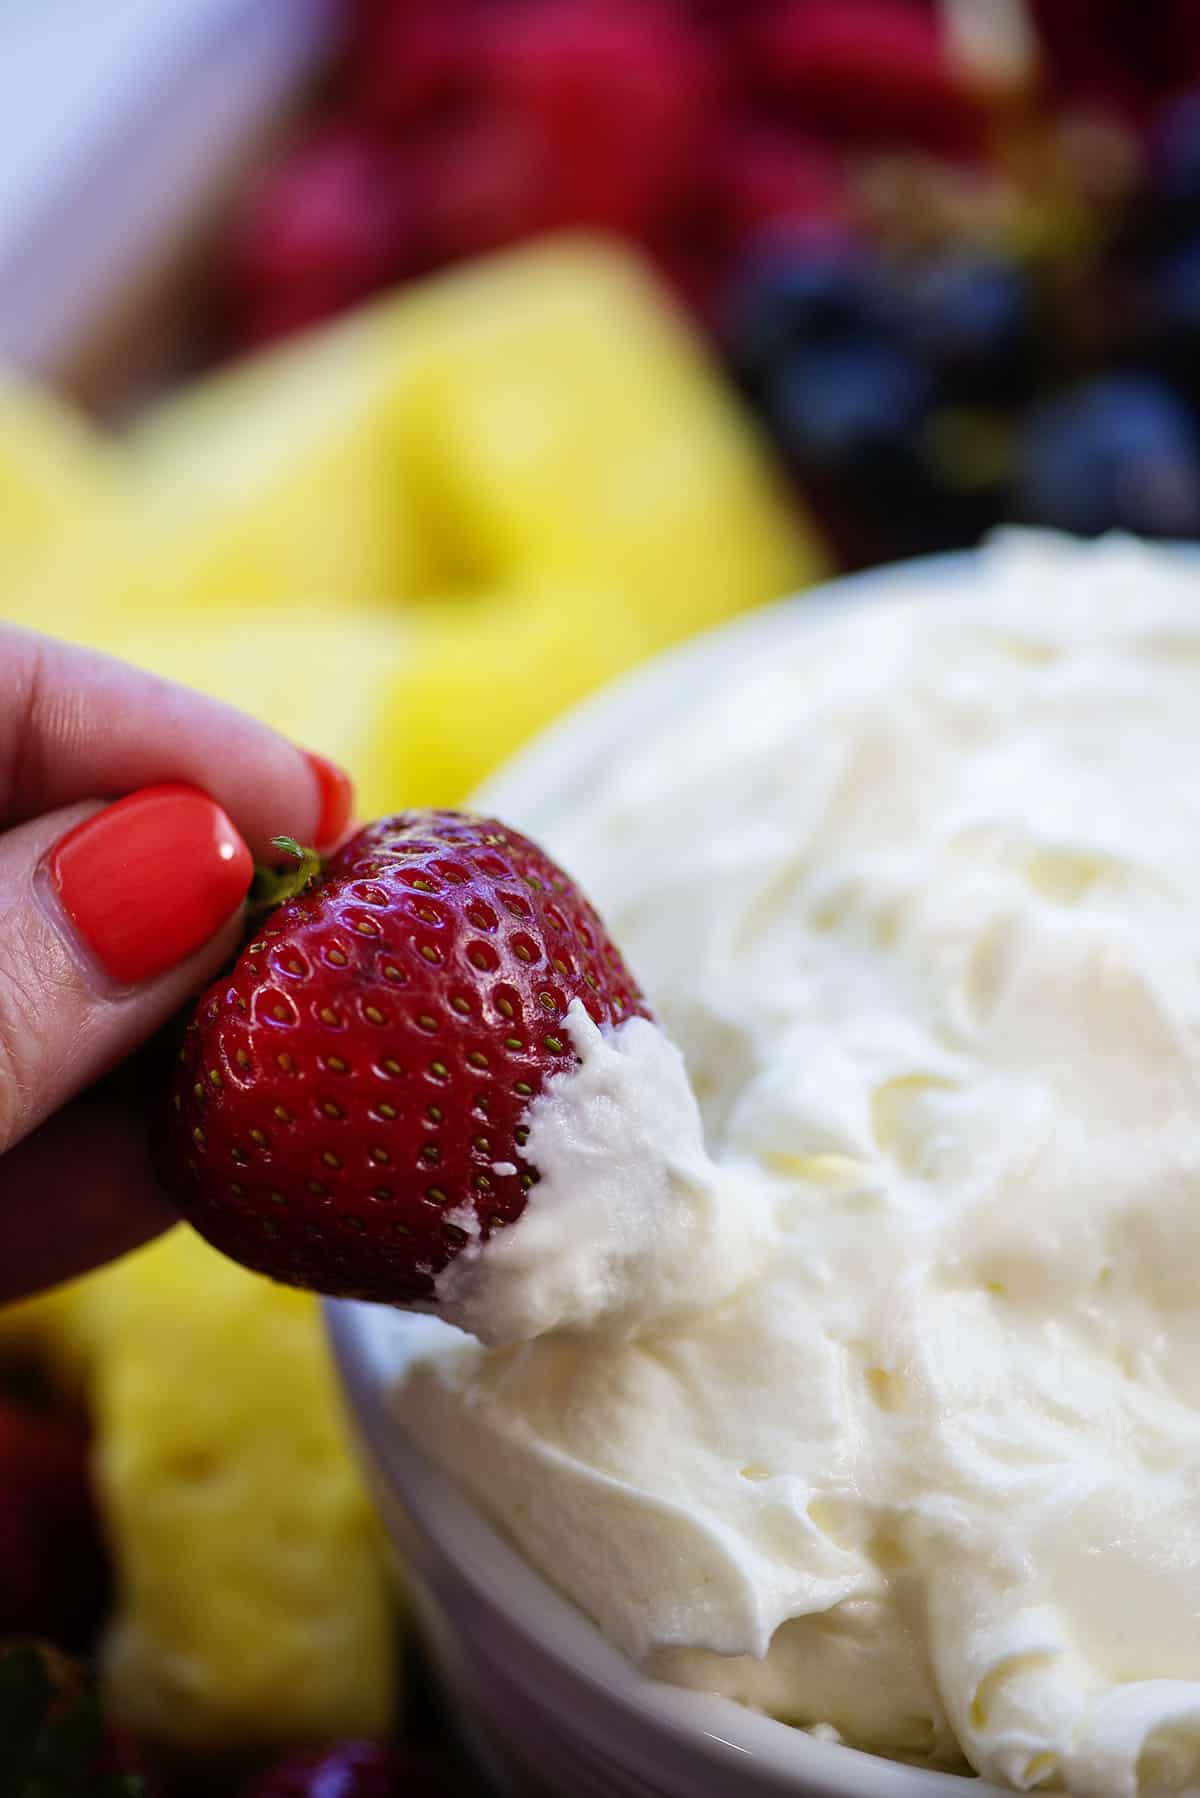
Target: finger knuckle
[(30, 1009), (18, 1026), (27, 699)]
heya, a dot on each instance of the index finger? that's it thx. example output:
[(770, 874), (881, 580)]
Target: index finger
[(75, 725)]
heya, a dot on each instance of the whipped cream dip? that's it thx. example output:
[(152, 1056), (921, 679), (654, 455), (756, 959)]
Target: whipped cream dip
[(850, 1365), (632, 1225)]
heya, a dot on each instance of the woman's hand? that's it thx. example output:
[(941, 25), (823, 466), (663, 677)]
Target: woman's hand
[(111, 916)]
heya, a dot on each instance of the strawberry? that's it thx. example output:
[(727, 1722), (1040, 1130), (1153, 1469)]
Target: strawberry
[(873, 71), (615, 97), (352, 1770), (53, 1569), (411, 66), (349, 1101), (484, 184), (333, 222), (780, 183)]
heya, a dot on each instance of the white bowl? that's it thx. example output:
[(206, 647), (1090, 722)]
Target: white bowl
[(548, 1707)]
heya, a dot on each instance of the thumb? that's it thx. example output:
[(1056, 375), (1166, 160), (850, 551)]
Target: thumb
[(109, 921)]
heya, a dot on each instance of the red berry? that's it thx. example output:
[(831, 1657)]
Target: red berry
[(356, 1088), (769, 181), (53, 1571), (485, 185), (692, 271), (412, 66), (350, 1770), (870, 71), (333, 222), (618, 98), (721, 15)]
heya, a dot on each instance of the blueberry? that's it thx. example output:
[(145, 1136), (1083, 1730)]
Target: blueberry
[(973, 321), (852, 406), (1120, 453), (789, 298), (1173, 309), (1175, 153)]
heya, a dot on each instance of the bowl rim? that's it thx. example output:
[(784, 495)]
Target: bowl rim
[(711, 1734)]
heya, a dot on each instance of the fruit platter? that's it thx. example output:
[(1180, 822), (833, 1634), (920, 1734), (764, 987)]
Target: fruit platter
[(550, 335), (948, 251)]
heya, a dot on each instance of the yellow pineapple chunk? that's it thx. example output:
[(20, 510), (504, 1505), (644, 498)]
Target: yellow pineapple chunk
[(321, 674), (482, 675), (54, 468), (68, 541), (274, 480), (254, 1607), (560, 420)]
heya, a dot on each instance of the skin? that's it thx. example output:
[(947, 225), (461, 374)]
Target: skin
[(78, 730)]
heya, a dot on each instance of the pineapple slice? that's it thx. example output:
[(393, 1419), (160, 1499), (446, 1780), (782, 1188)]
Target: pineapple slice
[(55, 469), (546, 411), (68, 540), (322, 674), (254, 1606), (482, 675), (560, 421), (276, 479)]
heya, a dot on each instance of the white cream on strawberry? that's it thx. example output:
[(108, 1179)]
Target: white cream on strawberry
[(918, 896), (631, 1222)]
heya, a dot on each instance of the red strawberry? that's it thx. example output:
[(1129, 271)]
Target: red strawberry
[(617, 96), (778, 182), (352, 1770), (53, 1570), (410, 66), (363, 1073), (333, 222), (871, 71), (484, 185)]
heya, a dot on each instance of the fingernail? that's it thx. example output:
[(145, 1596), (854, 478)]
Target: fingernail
[(337, 799), (151, 879)]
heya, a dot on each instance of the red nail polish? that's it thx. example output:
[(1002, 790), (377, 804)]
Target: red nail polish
[(149, 880), (337, 799)]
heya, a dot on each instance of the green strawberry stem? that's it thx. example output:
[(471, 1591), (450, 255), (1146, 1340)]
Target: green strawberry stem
[(275, 886)]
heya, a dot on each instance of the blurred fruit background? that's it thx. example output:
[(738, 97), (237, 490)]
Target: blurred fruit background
[(531, 338), (950, 252)]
